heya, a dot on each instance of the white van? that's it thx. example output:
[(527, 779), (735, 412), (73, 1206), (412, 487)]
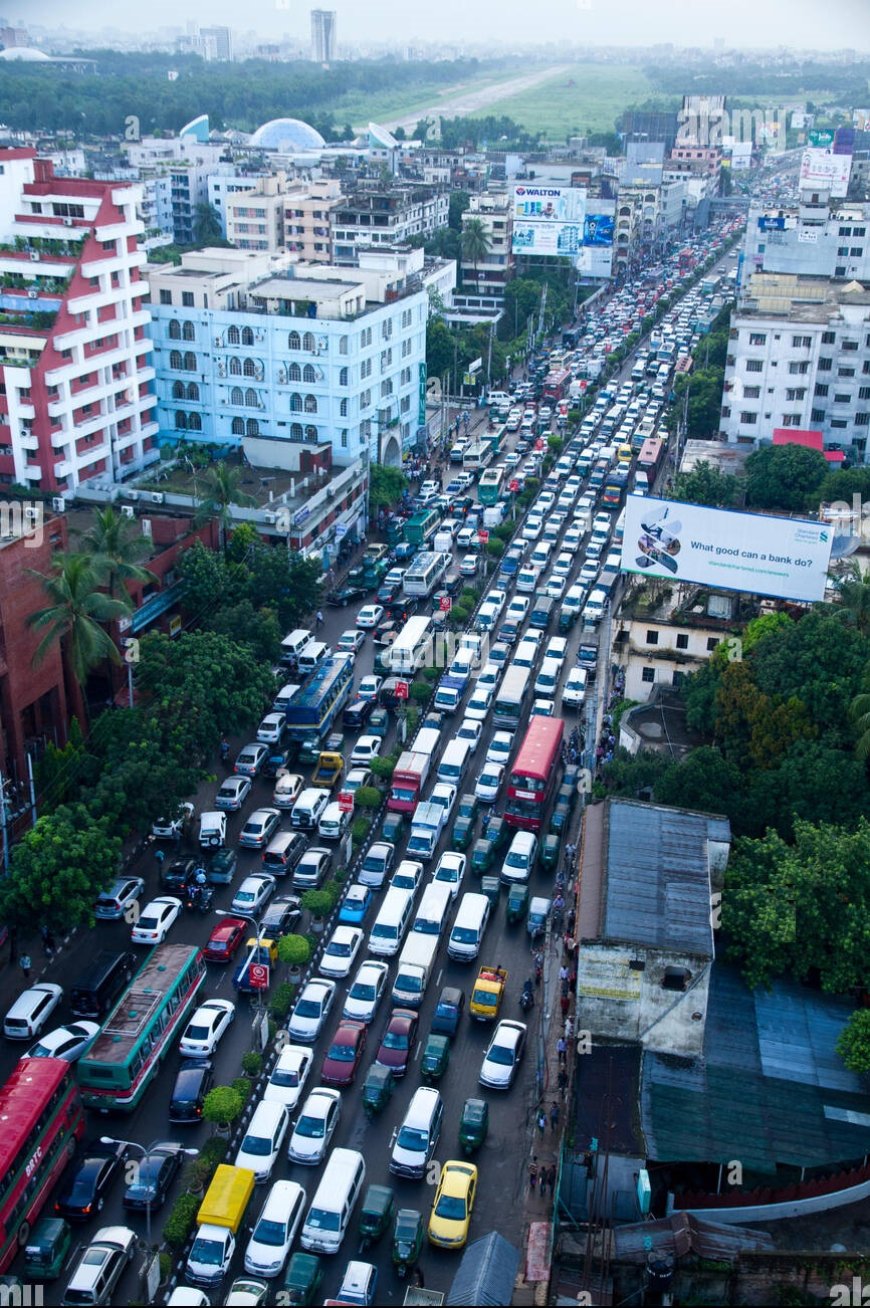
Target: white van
[(547, 680), (433, 910), (594, 610), (31, 1011), (557, 648), (454, 763), (519, 861), (333, 822), (293, 645), (313, 654), (272, 1237), (467, 934), (262, 1141), (284, 698), (334, 1201), (418, 1135), (391, 922)]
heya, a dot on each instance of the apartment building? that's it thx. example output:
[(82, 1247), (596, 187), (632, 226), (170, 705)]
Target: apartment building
[(494, 210), (257, 351), (385, 216), (810, 239), (663, 652), (308, 220), (255, 218), (76, 399)]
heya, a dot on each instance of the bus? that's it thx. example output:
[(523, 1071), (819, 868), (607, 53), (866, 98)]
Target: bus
[(42, 1116), (556, 385), (411, 648), (476, 457), (424, 574), (650, 458), (420, 529), (495, 439), (533, 773), (511, 697), (489, 488), (141, 1029), (315, 708)]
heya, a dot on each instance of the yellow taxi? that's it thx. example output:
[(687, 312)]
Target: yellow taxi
[(451, 1209), (623, 454)]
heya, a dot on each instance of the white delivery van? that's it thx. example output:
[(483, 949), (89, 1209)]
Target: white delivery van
[(332, 1207), (467, 934)]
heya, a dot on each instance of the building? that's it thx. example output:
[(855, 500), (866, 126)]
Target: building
[(188, 190), (308, 220), (76, 402), (252, 347), (490, 275), (650, 125), (323, 25), (225, 184), (664, 650), (220, 40), (817, 238), (386, 216), (255, 218)]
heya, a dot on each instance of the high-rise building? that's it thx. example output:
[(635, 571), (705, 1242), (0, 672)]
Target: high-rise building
[(223, 42), (323, 35)]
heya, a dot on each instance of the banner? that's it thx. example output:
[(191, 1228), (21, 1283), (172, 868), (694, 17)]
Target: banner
[(823, 169), (548, 219)]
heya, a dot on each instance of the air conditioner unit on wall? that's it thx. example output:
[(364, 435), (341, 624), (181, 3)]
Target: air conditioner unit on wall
[(130, 493), (59, 504), (157, 497), (34, 257), (128, 511), (67, 222), (33, 295)]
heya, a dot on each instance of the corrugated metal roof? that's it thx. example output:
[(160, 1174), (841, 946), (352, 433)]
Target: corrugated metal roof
[(657, 891), (684, 1234), (487, 1272)]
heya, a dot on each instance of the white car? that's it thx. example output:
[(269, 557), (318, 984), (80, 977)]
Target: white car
[(497, 597), (489, 783), (408, 875), (574, 692), (101, 1266), (67, 1042), (479, 704), (253, 893), (511, 460), (445, 795), (555, 587), (532, 528), (503, 1054), (500, 748), (489, 676), (341, 949), (272, 1237), (588, 573), (232, 793), (288, 788), (155, 920), (289, 1075), (369, 616), (451, 871), (366, 991), (563, 565), (470, 730), (205, 1029), (369, 686), (350, 642), (271, 729), (261, 1144), (311, 1011), (167, 828), (315, 1126), (365, 749), (518, 609)]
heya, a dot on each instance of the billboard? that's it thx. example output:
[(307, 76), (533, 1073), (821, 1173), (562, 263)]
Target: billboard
[(548, 219), (595, 260), (783, 557), (823, 169)]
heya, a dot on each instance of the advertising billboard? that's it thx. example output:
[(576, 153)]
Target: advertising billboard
[(823, 169), (595, 260), (783, 557), (548, 219)]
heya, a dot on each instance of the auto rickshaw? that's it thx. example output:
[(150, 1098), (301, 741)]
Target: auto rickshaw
[(490, 886), (539, 911), (47, 1248), (473, 1125), (436, 1056), (407, 1239), (303, 1278), (517, 902), (378, 1210), (498, 832), (550, 852), (377, 1089), (378, 723), (391, 828), (482, 856)]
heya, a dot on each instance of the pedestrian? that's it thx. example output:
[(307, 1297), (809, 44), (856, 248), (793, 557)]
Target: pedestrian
[(544, 1175), (25, 967), (554, 1115), (159, 856), (572, 918), (563, 1081), (542, 1121), (318, 618), (533, 1173), (551, 1179), (565, 1003), (569, 1028), (49, 945), (563, 972), (562, 1050)]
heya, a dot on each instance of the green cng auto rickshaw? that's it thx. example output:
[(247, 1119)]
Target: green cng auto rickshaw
[(377, 1089), (550, 852), (473, 1124), (378, 1209), (517, 902), (407, 1239), (303, 1278), (436, 1056), (490, 886), (482, 856), (47, 1249)]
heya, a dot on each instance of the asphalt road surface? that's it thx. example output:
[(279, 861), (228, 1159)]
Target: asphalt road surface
[(472, 102)]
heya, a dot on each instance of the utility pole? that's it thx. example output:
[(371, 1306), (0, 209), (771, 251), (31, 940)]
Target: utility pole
[(489, 356), (4, 819)]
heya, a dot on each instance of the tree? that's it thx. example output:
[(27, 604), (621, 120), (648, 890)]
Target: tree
[(459, 202), (257, 628), (222, 1106), (207, 226), (294, 951), (142, 770), (811, 781), (58, 868), (475, 244), (114, 545), (705, 780), (423, 128), (706, 485), (705, 402), (785, 477), (441, 349), (221, 491), (854, 593), (399, 133), (386, 487), (634, 774), (853, 1042)]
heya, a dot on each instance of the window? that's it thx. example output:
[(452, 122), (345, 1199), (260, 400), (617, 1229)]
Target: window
[(193, 391), (233, 336), (648, 675), (842, 251), (189, 362), (365, 399), (308, 343), (181, 420), (841, 397), (845, 372), (194, 422), (859, 231), (712, 642), (821, 388), (825, 365), (828, 338), (845, 231), (386, 388), (249, 368), (235, 367), (801, 342), (344, 438), (178, 390), (757, 338), (849, 345), (252, 427), (365, 368), (751, 392), (165, 297), (748, 418), (798, 368), (251, 397), (652, 637), (405, 406), (174, 331), (840, 270), (754, 365), (864, 392), (237, 397), (295, 403), (856, 251), (310, 404), (342, 409), (839, 422), (791, 420), (247, 336), (188, 331), (308, 374), (293, 341), (187, 299), (296, 433), (294, 373), (175, 361), (311, 433), (682, 640), (238, 427), (817, 415), (342, 377), (862, 419), (795, 392), (342, 345), (678, 678)]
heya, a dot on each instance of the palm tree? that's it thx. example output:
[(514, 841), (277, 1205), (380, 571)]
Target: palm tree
[(860, 714), (475, 244), (73, 617), (854, 592), (222, 489), (113, 546)]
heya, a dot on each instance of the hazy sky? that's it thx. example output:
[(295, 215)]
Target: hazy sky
[(820, 24)]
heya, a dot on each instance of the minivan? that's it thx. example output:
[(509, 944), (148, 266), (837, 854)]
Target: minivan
[(334, 821), (391, 923), (334, 1201), (433, 910), (418, 1135), (283, 699), (307, 810), (283, 852), (547, 679), (279, 1220), (97, 989), (520, 858), (542, 611), (454, 762), (467, 934), (31, 1011), (261, 1143), (293, 645), (313, 654), (594, 610), (526, 655)]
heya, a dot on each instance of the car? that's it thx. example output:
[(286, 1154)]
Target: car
[(253, 893), (155, 920), (101, 1266), (445, 795), (574, 692), (250, 759), (288, 788), (204, 1031), (471, 729), (366, 991), (172, 828), (289, 1075), (314, 866), (351, 641), (311, 1011), (342, 1059), (153, 1176), (222, 866), (503, 1055), (179, 875), (451, 1208), (89, 1179), (500, 748), (340, 951), (468, 565), (489, 782), (315, 1127), (357, 714), (355, 905), (281, 916), (397, 1042), (544, 708), (369, 687), (408, 876), (386, 633), (345, 595), (232, 793), (508, 632), (512, 459), (357, 778), (479, 704), (192, 1083), (259, 828), (65, 1042), (369, 616), (118, 899), (271, 730), (555, 587), (451, 871), (226, 937), (588, 573), (365, 749)]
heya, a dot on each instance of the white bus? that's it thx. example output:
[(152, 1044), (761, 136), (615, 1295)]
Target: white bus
[(477, 457), (511, 697), (424, 574), (412, 647)]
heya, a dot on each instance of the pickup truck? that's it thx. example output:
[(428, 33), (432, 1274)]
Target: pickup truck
[(427, 824), (487, 994), (327, 770), (449, 694)]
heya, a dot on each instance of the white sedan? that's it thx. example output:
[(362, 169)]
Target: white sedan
[(489, 783), (169, 828), (289, 1075), (350, 641), (205, 1029), (253, 893), (155, 920), (369, 687), (369, 616), (450, 871), (341, 950), (500, 748), (311, 1011), (470, 731), (314, 1127), (67, 1042), (365, 749), (366, 992), (502, 1058)]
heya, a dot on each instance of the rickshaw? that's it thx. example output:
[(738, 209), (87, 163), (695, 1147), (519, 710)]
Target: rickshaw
[(473, 1124), (498, 832), (436, 1056), (377, 1089), (539, 911), (378, 723), (378, 1210), (407, 1239), (550, 852), (302, 1282), (482, 856), (391, 828), (490, 886), (517, 902), (47, 1249)]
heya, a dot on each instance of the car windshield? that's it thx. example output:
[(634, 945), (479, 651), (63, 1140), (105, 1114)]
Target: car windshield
[(412, 1139), (516, 860), (396, 1040), (338, 948), (312, 1128), (342, 1053), (489, 779), (464, 935), (245, 897), (259, 1146), (359, 991), (308, 1008), (451, 1208), (288, 1077), (447, 874), (502, 1055), (208, 1253), (196, 1032), (271, 1233), (323, 1219)]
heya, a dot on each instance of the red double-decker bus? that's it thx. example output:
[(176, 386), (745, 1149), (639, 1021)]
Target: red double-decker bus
[(556, 384), (533, 775), (42, 1116)]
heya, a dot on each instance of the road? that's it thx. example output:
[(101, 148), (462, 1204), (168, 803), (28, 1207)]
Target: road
[(473, 101)]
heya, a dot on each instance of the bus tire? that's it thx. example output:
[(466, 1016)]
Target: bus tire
[(23, 1234)]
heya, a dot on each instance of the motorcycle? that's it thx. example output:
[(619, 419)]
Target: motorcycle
[(527, 998), (199, 897), (539, 968)]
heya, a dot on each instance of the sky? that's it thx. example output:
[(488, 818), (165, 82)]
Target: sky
[(806, 24)]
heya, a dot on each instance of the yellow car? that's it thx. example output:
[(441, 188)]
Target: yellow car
[(454, 1200)]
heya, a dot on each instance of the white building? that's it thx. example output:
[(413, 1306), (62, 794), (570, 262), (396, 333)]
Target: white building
[(810, 239), (494, 209), (386, 216)]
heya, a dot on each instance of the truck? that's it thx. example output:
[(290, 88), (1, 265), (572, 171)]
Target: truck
[(443, 542), (427, 824), (587, 658), (493, 516), (327, 770), (416, 962), (607, 579), (409, 778), (219, 1217), (449, 694), (487, 994)]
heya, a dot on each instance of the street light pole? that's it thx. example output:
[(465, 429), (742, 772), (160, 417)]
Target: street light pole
[(223, 912), (145, 1151)]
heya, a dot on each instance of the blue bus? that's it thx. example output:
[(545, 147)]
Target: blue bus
[(314, 709)]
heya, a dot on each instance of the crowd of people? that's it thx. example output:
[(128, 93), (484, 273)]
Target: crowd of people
[(607, 740)]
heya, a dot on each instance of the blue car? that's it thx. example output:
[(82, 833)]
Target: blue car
[(356, 905)]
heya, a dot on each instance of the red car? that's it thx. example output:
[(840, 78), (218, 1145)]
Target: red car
[(343, 1056), (225, 939), (398, 1042)]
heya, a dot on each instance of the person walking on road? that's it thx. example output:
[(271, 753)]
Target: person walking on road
[(533, 1173), (25, 966), (542, 1121), (544, 1182), (554, 1115), (551, 1180), (318, 619), (562, 1050), (563, 1081)]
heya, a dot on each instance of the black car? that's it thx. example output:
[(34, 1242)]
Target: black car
[(357, 714), (386, 594), (89, 1180), (282, 915), (339, 599), (155, 1172), (178, 875), (191, 1087), (222, 865)]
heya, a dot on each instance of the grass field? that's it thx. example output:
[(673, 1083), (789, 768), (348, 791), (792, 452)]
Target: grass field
[(360, 110), (590, 100)]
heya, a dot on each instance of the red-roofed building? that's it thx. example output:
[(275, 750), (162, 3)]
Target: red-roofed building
[(811, 440)]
